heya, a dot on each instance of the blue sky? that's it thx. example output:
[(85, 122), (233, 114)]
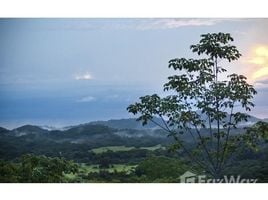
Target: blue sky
[(67, 71)]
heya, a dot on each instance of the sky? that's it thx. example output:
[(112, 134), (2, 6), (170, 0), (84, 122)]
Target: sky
[(61, 72)]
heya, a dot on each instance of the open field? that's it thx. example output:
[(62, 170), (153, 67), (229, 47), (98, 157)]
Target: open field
[(111, 148), (85, 169), (124, 148), (115, 167), (153, 148)]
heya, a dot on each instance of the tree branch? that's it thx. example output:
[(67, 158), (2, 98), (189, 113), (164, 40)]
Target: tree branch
[(227, 136), (205, 147)]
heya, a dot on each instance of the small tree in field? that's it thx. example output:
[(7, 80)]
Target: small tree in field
[(202, 101)]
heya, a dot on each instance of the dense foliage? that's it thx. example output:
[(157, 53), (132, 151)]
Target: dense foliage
[(36, 169), (201, 99)]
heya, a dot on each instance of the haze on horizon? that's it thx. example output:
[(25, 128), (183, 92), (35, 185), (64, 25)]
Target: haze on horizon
[(60, 72)]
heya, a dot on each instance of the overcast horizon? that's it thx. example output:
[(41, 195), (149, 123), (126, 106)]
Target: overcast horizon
[(61, 72)]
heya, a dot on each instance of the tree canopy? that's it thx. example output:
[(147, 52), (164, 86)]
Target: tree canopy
[(201, 99)]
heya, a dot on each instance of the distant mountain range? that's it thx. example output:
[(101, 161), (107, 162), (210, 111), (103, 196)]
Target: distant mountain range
[(75, 142), (127, 128), (132, 123), (99, 132), (120, 124), (81, 138)]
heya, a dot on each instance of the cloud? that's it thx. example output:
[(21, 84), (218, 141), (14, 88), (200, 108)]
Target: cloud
[(139, 24), (86, 99), (260, 61), (163, 23), (177, 23), (86, 76), (261, 83), (262, 72)]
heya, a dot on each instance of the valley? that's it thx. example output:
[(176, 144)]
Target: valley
[(105, 153)]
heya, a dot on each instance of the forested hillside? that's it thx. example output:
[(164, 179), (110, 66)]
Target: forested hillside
[(106, 154)]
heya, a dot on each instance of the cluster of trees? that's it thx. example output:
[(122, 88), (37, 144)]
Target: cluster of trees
[(158, 169), (36, 169), (154, 167), (163, 169), (70, 145)]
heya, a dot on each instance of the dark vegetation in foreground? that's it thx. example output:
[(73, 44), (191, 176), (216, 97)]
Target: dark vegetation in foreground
[(97, 153)]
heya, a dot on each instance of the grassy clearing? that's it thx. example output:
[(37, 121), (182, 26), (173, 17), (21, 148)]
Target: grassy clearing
[(153, 148), (113, 168), (122, 168), (124, 148), (70, 176), (112, 148), (88, 168), (85, 169)]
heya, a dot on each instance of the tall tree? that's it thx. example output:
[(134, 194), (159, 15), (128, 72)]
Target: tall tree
[(202, 99)]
